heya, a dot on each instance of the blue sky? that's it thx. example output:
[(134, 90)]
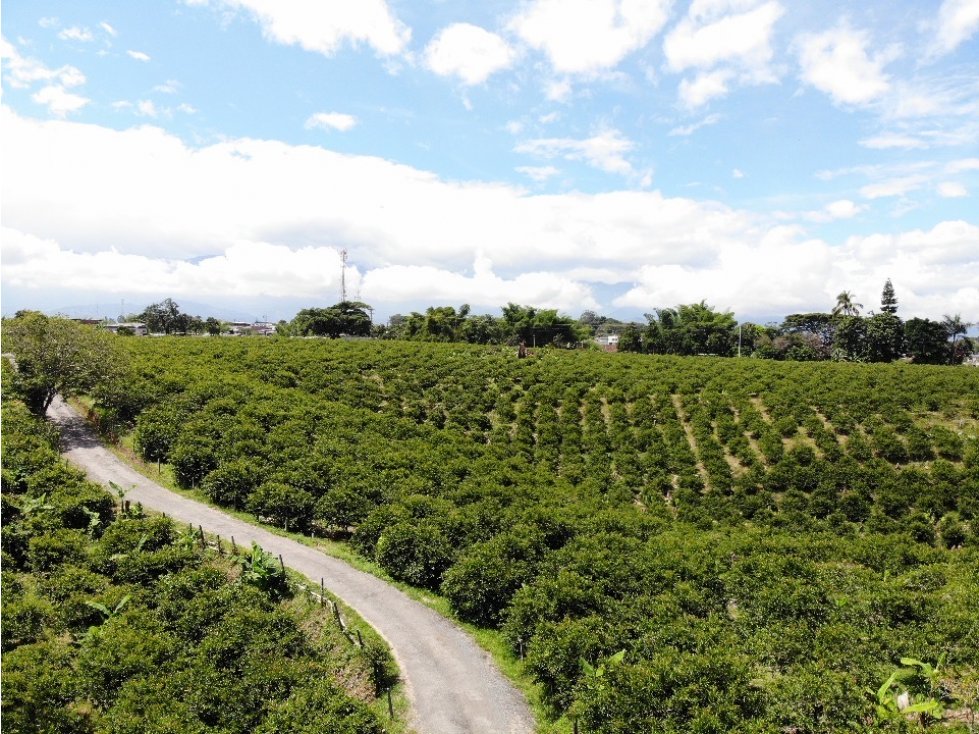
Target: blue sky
[(614, 155)]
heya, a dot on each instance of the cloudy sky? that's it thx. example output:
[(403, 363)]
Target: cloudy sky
[(614, 155)]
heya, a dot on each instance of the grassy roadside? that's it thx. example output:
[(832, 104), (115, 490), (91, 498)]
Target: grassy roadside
[(492, 641)]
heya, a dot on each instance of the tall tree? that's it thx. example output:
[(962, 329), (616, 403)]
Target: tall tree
[(540, 326), (630, 340), (926, 341), (850, 341), (348, 318), (163, 317), (56, 355), (692, 328), (888, 301), (954, 328), (885, 337), (818, 326), (846, 306)]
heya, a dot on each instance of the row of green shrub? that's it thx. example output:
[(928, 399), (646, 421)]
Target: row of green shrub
[(767, 576), (118, 622)]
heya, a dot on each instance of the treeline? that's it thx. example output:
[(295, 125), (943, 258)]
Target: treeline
[(166, 317), (528, 324), (686, 330), (117, 622)]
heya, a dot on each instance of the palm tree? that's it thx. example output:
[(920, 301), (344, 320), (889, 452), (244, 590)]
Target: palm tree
[(955, 326), (846, 306)]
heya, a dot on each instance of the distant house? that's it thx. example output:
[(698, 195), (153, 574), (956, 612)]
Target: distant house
[(263, 328), (608, 342)]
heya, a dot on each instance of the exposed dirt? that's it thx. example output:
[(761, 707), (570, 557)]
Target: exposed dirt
[(452, 684)]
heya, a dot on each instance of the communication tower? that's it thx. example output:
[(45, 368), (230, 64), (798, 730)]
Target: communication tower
[(343, 275)]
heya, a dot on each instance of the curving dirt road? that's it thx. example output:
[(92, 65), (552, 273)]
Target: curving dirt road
[(452, 685)]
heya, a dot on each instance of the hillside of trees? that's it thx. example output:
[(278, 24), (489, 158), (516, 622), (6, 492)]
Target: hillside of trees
[(671, 544)]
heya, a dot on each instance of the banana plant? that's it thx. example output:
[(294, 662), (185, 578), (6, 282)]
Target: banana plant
[(259, 569), (35, 505), (895, 701), (106, 612), (926, 670), (139, 547), (93, 520)]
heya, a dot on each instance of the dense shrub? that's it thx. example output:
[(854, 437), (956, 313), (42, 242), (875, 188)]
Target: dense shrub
[(763, 540)]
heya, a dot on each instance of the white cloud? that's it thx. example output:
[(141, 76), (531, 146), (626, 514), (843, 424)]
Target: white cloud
[(781, 273), (714, 33), (23, 72), (705, 87), (837, 62), (922, 137), (187, 109), (146, 108), (243, 217), (323, 27), (558, 90), (538, 173), (75, 33), (902, 179), (684, 130), (778, 274), (549, 118), (834, 211), (588, 36), (897, 186), (604, 150), (737, 173), (727, 41), (483, 288), (59, 101), (108, 29), (48, 22), (170, 86), (957, 22), (138, 55), (893, 140), (469, 52), (963, 164), (331, 121), (843, 209), (243, 269), (952, 190)]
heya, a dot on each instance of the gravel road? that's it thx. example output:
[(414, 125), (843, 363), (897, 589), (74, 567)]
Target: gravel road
[(452, 685)]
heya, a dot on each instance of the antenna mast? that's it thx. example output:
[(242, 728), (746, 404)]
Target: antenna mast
[(343, 275)]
